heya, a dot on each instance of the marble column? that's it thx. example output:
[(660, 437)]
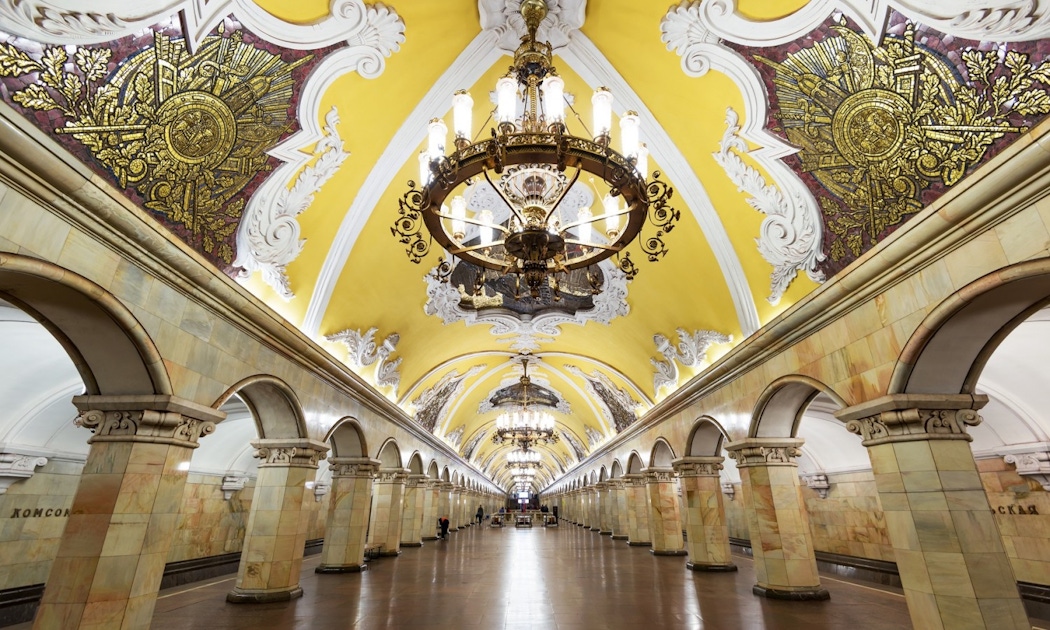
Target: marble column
[(952, 563), (445, 502), (388, 499), (594, 514), (785, 565), (637, 511), (272, 554), (618, 497), (412, 513), (665, 518), (431, 507), (349, 507), (604, 509), (707, 536), (111, 558)]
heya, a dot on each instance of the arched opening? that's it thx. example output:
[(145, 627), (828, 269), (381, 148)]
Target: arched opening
[(347, 439), (661, 455), (415, 464), (706, 439), (389, 455), (634, 464), (274, 406), (617, 470)]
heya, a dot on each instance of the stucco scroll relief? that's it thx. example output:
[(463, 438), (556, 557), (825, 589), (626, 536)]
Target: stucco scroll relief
[(16, 467), (790, 236), (503, 17), (67, 22), (691, 351), (268, 237), (363, 350)]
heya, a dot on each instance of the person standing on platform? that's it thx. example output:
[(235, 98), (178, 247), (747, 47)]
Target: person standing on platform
[(481, 514), (443, 522)]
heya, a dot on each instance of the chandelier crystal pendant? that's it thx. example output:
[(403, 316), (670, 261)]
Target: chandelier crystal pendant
[(527, 426), (531, 161), (523, 459)]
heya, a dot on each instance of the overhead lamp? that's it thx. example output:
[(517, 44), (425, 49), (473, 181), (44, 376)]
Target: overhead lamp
[(531, 161), (519, 458), (526, 426)]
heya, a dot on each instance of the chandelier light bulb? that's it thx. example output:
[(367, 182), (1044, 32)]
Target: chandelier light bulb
[(459, 211), (424, 168), (612, 219), (629, 134), (486, 231), (584, 216), (506, 97), (436, 133), (643, 160), (554, 98), (601, 103), (462, 110)]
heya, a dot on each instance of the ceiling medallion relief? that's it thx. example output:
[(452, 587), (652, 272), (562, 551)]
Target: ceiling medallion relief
[(617, 405), (431, 406), (531, 321), (886, 129), (691, 352), (184, 133), (503, 17), (363, 350)]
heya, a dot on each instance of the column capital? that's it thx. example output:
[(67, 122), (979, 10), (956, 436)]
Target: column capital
[(765, 451), (415, 480), (913, 417), (634, 479), (698, 466), (658, 474), (601, 485), (392, 475), (432, 483), (353, 467), (290, 453), (616, 484), (447, 486), (149, 418)]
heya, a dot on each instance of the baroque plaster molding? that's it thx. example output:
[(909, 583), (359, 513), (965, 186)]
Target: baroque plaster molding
[(364, 350), (443, 300), (16, 467), (1035, 464), (790, 238), (268, 236), (691, 351), (698, 466), (751, 452), (503, 18), (909, 425), (986, 20), (232, 484), (619, 409), (432, 406), (658, 475), (144, 426), (819, 483), (373, 26), (729, 490)]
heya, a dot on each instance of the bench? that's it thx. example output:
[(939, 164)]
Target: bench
[(497, 520)]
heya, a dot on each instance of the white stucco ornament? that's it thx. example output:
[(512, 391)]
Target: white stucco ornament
[(503, 17), (691, 351), (16, 467)]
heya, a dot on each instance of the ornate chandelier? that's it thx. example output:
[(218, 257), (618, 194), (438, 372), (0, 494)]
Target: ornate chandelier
[(525, 427), (523, 459), (531, 163)]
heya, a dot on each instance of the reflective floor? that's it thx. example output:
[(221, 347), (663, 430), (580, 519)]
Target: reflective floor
[(564, 578)]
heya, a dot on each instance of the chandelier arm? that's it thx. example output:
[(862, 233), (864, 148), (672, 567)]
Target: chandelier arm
[(473, 222), (565, 191), (503, 197), (607, 215), (609, 248)]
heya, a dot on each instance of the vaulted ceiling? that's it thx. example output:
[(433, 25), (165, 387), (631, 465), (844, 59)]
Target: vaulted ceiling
[(779, 184)]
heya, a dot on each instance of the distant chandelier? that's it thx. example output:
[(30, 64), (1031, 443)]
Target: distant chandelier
[(522, 459), (531, 163), (525, 427)]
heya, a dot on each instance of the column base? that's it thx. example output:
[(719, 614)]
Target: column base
[(711, 568), (411, 544), (390, 554), (341, 568), (634, 543), (239, 596), (619, 537), (607, 533), (669, 552), (430, 538), (594, 529), (807, 595)]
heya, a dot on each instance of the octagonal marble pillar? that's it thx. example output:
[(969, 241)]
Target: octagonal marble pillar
[(444, 502), (785, 565), (637, 511), (952, 563), (595, 509), (665, 519), (274, 538), (618, 502), (349, 506), (703, 513), (111, 558), (388, 498), (412, 512), (605, 511)]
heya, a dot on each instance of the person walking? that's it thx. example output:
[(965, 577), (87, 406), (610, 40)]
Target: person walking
[(443, 522), (481, 514)]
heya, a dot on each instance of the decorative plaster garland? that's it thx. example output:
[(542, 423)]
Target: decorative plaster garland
[(691, 351), (363, 351)]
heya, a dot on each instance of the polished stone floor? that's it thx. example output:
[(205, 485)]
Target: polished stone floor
[(559, 578)]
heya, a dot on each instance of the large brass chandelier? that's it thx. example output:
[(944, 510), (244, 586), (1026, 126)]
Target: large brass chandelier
[(526, 426), (532, 162), (523, 459)]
